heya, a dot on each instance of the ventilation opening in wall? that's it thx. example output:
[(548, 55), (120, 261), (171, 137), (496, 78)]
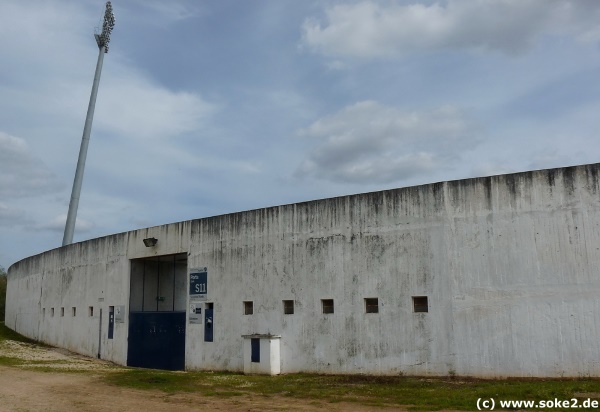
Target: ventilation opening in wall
[(62, 312), (158, 302), (420, 304), (327, 305), (288, 307), (248, 307), (91, 311), (73, 311), (371, 305)]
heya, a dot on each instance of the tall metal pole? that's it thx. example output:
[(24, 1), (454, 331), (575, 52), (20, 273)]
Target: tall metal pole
[(85, 141), (102, 40)]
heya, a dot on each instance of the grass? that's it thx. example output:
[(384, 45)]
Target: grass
[(36, 364), (8, 361), (416, 393), (9, 334)]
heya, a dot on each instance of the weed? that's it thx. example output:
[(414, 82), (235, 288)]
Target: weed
[(416, 393), (419, 393), (8, 361), (9, 334)]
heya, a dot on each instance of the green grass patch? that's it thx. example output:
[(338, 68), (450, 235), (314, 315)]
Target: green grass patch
[(8, 361), (416, 393), (37, 365), (9, 334)]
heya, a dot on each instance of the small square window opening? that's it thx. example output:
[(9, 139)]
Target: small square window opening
[(372, 305), (327, 305), (420, 304), (288, 307), (248, 308)]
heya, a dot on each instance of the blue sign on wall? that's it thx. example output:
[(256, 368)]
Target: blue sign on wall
[(198, 283)]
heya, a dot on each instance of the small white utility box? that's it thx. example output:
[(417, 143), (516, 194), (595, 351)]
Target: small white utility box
[(261, 354)]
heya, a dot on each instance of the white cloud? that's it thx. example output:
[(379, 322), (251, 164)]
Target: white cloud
[(372, 143), (54, 55), (11, 216), (57, 224), (21, 173), (133, 106), (371, 29), (172, 11)]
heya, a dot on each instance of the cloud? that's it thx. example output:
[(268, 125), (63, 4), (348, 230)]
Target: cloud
[(11, 216), (369, 29), (57, 224), (54, 54), (133, 106), (21, 173), (170, 12), (372, 143)]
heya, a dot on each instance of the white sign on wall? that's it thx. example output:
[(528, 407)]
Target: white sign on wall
[(195, 314)]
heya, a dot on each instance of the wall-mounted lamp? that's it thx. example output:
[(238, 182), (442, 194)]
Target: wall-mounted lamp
[(151, 241)]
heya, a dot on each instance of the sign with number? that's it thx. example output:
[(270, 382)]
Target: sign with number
[(198, 284)]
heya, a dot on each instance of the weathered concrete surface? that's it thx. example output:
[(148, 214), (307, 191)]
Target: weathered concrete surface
[(509, 265)]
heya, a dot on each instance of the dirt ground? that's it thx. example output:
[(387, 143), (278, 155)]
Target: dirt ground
[(22, 388)]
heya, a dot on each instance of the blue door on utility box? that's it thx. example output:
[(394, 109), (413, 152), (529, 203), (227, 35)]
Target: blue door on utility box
[(255, 350)]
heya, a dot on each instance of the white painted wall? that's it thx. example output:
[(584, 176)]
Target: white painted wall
[(509, 265)]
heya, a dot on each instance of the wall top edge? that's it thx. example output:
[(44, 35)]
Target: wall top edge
[(593, 168)]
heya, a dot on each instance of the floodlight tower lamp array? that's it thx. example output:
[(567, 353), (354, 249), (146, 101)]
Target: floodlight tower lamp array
[(107, 27)]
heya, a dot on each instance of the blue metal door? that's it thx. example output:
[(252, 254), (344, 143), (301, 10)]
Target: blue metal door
[(157, 340), (208, 325)]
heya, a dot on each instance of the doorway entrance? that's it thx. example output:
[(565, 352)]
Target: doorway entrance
[(157, 305)]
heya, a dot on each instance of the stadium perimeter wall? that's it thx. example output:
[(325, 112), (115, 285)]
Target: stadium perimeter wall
[(509, 265)]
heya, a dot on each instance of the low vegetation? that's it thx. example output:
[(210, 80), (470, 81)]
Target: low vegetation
[(413, 393), (9, 334)]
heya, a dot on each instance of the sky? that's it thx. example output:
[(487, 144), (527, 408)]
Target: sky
[(213, 107)]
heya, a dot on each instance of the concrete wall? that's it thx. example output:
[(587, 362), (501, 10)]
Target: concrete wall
[(509, 265), (93, 274)]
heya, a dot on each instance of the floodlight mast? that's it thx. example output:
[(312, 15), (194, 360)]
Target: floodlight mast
[(102, 40)]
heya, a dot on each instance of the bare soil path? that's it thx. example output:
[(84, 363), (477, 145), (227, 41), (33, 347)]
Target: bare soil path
[(22, 388)]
